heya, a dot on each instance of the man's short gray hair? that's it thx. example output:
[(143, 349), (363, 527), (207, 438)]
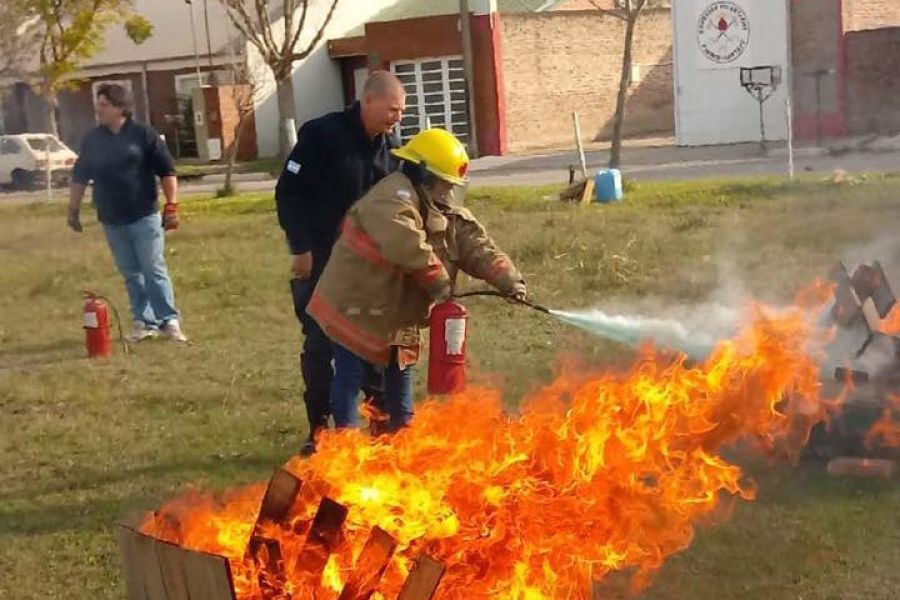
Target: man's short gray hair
[(381, 83)]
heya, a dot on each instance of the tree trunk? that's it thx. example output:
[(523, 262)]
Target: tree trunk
[(233, 152), (615, 152), (286, 110), (52, 125)]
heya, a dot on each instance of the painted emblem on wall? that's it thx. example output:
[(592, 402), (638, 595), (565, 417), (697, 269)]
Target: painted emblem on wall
[(723, 32)]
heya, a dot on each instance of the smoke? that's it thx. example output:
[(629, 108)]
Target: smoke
[(885, 249), (693, 328)]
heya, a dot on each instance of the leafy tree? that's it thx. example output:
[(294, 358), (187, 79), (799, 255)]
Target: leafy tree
[(72, 32)]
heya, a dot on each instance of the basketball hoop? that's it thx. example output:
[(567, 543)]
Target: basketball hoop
[(761, 83)]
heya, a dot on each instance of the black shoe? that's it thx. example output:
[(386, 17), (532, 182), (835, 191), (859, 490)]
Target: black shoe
[(308, 448)]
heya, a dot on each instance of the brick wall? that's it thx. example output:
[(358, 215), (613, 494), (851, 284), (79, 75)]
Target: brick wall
[(873, 82), (604, 4), (222, 104), (584, 5), (817, 46), (430, 37), (871, 14), (559, 62)]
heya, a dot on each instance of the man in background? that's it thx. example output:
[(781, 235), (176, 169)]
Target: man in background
[(123, 158)]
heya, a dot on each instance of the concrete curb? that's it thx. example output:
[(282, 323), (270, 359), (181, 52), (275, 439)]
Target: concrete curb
[(236, 178)]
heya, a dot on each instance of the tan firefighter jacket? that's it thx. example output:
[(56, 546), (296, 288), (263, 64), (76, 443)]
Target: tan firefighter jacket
[(397, 254)]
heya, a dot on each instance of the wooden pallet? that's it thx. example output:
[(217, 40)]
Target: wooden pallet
[(158, 570)]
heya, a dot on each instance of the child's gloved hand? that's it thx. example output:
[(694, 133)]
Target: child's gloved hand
[(519, 292)]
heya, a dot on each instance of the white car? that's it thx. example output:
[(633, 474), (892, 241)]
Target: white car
[(23, 159)]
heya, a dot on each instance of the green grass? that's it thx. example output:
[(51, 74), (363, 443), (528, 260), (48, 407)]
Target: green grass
[(82, 444)]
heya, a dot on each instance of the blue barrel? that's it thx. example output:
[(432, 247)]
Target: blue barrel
[(608, 185)]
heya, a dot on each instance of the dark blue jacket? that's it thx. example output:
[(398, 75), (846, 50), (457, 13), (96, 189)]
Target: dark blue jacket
[(124, 167), (332, 166)]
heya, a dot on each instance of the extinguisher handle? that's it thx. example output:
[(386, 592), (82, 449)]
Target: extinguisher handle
[(496, 294)]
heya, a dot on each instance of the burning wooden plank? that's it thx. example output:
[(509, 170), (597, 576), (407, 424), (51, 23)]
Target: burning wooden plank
[(370, 566), (146, 567), (870, 281), (850, 376), (157, 570), (280, 496), (171, 565), (132, 565), (208, 576), (847, 305), (423, 580), (324, 537), (870, 315), (275, 508), (861, 467)]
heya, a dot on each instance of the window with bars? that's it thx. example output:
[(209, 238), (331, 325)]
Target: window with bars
[(435, 96)]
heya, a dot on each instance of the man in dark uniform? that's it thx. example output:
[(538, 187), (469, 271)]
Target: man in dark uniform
[(337, 159)]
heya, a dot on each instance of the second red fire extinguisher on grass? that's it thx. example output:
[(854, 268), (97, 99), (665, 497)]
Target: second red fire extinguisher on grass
[(97, 337), (97, 323)]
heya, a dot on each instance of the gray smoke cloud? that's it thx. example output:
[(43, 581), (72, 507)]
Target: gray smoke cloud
[(695, 329)]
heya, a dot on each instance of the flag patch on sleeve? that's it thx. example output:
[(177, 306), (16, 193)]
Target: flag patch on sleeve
[(293, 167)]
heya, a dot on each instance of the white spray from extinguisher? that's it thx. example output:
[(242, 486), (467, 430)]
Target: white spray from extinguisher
[(634, 330)]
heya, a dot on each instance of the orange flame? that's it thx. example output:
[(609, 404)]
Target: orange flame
[(891, 323), (886, 431), (599, 473)]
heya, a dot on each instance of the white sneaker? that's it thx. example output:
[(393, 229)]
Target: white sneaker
[(140, 332), (172, 330)]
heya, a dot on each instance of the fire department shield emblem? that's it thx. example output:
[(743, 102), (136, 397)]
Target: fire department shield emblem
[(723, 32)]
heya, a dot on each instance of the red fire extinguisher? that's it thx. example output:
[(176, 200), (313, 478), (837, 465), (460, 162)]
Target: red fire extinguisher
[(447, 348), (97, 337), (96, 324)]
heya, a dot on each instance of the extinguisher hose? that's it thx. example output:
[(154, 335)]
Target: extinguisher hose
[(496, 294), (125, 348)]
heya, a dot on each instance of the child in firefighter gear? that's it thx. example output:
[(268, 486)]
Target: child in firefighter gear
[(400, 250)]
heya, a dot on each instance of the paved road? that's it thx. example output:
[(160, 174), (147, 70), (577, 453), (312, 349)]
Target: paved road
[(641, 163), (675, 163)]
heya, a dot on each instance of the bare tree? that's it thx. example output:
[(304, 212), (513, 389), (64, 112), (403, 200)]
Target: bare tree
[(274, 28), (246, 92), (628, 11)]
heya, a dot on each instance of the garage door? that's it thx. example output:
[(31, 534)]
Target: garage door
[(435, 96)]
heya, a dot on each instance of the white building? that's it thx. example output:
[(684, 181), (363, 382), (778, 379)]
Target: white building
[(713, 39)]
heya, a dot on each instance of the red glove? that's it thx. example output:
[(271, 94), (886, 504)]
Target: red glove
[(171, 219)]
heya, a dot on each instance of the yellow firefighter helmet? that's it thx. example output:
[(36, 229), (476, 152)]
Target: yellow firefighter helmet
[(440, 153)]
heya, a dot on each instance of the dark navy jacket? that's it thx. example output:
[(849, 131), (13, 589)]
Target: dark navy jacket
[(124, 167), (332, 166)]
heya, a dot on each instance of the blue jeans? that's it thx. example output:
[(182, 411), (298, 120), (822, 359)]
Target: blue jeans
[(349, 374), (137, 249)]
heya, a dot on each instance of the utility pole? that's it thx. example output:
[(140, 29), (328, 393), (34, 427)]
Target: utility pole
[(194, 36), (208, 38), (468, 66)]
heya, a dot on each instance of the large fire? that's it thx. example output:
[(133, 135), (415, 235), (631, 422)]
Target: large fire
[(601, 472)]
